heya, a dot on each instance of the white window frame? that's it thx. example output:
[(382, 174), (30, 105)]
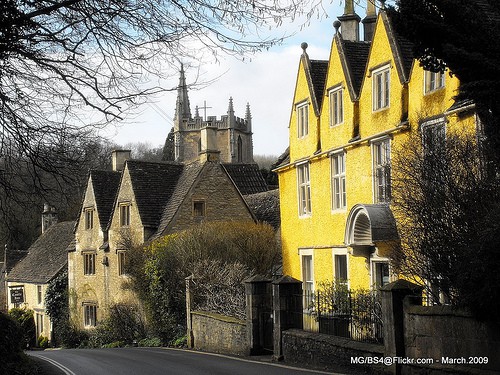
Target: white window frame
[(124, 213), (374, 260), (304, 189), (381, 88), (340, 252), (307, 285), (89, 315), (433, 81), (338, 181), (336, 101), (381, 170), (302, 119)]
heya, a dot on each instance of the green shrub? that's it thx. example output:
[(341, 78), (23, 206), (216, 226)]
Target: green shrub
[(12, 343), (43, 342), (27, 322), (150, 341)]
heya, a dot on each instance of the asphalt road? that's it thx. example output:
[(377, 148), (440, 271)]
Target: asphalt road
[(152, 361)]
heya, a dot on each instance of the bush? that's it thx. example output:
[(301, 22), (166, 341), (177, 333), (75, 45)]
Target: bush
[(43, 342), (159, 270), (27, 322), (12, 343)]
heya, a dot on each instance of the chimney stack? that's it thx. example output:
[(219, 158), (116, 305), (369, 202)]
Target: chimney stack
[(49, 217), (350, 22), (118, 159), (369, 21)]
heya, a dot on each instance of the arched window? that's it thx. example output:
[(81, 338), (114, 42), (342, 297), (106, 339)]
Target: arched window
[(240, 150)]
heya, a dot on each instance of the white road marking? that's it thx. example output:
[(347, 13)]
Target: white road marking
[(63, 368)]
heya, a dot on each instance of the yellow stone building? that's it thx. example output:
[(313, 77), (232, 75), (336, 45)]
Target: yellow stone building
[(349, 114)]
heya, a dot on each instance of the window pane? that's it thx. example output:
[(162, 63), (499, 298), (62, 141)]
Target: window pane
[(341, 268)]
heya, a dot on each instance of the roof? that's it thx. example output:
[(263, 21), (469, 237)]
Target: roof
[(153, 185), (46, 256), (266, 207), (246, 177), (318, 71), (355, 56), (105, 185), (186, 180), (283, 159), (401, 47), (13, 257)]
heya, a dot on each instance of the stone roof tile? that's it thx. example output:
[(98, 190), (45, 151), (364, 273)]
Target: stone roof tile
[(246, 177), (105, 185), (153, 185), (46, 256)]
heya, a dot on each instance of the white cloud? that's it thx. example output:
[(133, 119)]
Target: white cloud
[(266, 83)]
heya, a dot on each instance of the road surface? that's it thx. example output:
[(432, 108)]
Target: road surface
[(152, 361)]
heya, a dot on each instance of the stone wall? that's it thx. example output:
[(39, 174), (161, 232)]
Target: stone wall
[(326, 351), (443, 331), (219, 334)]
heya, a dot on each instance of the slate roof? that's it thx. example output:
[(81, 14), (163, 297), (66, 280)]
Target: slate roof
[(186, 180), (246, 177), (266, 207), (153, 185), (46, 256), (283, 159), (318, 71), (401, 47), (356, 57), (105, 185)]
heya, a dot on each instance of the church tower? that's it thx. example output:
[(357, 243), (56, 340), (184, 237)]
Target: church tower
[(228, 139)]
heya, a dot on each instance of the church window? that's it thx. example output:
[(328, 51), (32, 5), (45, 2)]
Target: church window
[(240, 150)]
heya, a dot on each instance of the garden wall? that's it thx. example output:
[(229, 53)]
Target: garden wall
[(219, 334)]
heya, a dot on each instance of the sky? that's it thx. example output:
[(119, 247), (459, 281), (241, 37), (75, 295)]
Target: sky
[(265, 80)]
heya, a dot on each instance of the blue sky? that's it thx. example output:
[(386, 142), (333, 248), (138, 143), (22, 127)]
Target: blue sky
[(266, 81)]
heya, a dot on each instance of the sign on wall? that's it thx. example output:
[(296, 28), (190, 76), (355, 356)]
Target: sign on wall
[(17, 295)]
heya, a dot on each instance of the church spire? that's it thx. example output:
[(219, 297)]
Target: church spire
[(182, 109), (248, 118)]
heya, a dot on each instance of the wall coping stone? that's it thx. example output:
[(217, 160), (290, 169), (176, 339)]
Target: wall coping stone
[(223, 318), (444, 310), (337, 341)]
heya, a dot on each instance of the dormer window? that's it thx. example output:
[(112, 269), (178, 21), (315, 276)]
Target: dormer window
[(302, 119), (433, 81), (124, 214), (89, 218), (381, 88)]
